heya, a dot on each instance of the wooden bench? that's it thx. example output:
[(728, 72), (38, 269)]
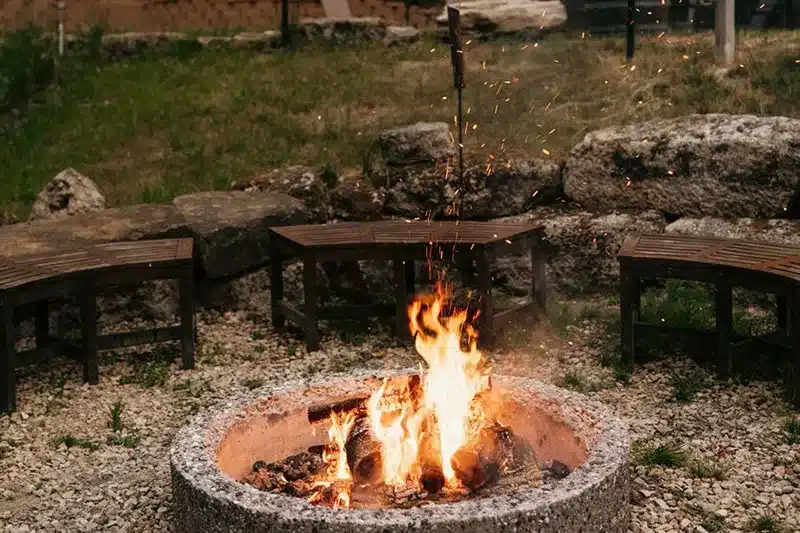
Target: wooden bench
[(725, 263), (35, 279), (403, 243)]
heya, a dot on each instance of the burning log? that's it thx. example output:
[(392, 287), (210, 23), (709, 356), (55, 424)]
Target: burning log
[(363, 452), (358, 404), (493, 451), (290, 476), (319, 413)]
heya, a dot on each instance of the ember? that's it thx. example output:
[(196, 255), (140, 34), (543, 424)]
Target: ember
[(424, 437)]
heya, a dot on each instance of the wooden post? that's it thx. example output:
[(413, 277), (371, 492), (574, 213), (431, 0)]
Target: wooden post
[(630, 30), (276, 285), (725, 33), (186, 297), (8, 359), (310, 301), (484, 282), (793, 382), (629, 304), (723, 308), (285, 22), (88, 304), (401, 291)]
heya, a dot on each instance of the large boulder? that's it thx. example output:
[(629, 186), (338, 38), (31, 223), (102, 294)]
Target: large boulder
[(423, 142), (525, 19), (354, 198), (581, 247), (778, 231), (698, 165), (131, 223), (230, 227), (310, 185), (69, 193), (510, 189)]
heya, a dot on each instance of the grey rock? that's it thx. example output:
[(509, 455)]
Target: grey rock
[(423, 142), (698, 165), (310, 185), (778, 231), (582, 250), (496, 18), (69, 193), (401, 35), (131, 223), (510, 189), (344, 30), (355, 198), (230, 227)]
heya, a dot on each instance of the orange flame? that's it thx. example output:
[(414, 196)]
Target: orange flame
[(338, 472), (442, 415)]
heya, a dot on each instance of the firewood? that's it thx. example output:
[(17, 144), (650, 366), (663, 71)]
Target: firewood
[(319, 413), (363, 452)]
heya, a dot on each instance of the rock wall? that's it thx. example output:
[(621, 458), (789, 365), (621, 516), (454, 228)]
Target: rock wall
[(704, 171)]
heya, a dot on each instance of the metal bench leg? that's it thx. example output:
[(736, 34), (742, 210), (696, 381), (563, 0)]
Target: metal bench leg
[(186, 295), (723, 308), (88, 304), (484, 285), (276, 289), (539, 282), (629, 304), (8, 359), (793, 381), (310, 327)]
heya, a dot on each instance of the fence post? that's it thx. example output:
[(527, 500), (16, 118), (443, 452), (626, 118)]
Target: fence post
[(630, 30), (725, 32), (285, 22)]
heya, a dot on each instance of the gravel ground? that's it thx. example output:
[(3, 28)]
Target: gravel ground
[(64, 468)]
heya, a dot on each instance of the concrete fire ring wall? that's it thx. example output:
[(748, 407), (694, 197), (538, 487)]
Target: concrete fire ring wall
[(594, 498)]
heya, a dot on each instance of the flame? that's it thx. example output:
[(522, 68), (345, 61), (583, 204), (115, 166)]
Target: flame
[(338, 476), (431, 428)]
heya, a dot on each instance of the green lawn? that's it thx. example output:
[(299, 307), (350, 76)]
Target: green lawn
[(151, 128)]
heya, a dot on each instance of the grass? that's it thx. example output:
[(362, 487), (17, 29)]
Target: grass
[(573, 381), (252, 384), (792, 431), (669, 455), (125, 441), (686, 386), (76, 442), (115, 416), (151, 128), (709, 469), (151, 369), (765, 524)]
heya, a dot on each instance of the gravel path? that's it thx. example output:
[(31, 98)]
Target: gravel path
[(64, 468)]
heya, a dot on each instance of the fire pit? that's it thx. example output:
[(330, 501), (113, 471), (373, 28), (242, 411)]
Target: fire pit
[(446, 447)]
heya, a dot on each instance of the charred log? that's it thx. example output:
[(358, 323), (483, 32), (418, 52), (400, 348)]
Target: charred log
[(318, 413), (363, 452), (493, 451)]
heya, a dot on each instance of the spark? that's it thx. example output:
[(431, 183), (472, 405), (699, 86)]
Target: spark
[(545, 151)]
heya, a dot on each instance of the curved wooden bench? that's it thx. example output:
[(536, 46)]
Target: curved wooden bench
[(37, 278), (725, 263), (402, 242)]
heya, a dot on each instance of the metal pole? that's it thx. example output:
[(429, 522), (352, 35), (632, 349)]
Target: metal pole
[(460, 91), (285, 22), (61, 6), (630, 30)]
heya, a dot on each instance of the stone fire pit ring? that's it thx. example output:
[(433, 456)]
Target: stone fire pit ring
[(221, 443)]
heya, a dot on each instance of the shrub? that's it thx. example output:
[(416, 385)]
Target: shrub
[(27, 65)]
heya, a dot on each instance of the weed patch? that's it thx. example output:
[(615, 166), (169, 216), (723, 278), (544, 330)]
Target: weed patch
[(76, 442), (670, 454)]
